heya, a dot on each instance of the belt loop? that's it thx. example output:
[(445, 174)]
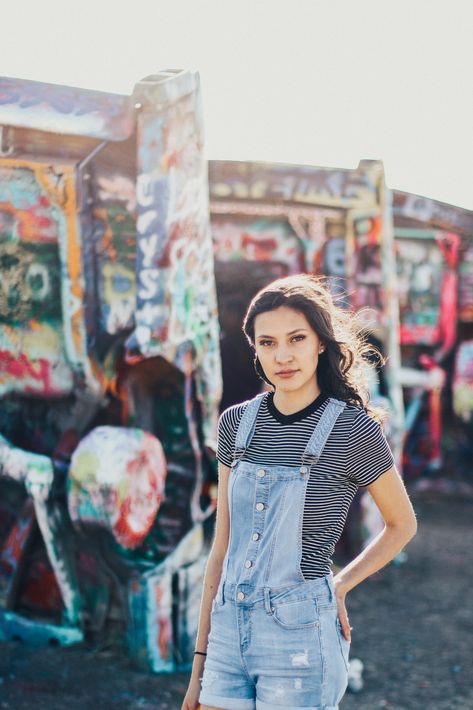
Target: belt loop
[(267, 601)]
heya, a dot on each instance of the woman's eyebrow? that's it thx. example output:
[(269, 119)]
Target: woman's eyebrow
[(291, 332)]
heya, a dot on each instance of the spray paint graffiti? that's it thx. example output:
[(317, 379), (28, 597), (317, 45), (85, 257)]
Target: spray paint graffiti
[(368, 263), (431, 213), (107, 441), (115, 256), (419, 278), (465, 274), (275, 183), (451, 228), (116, 479), (463, 382), (257, 240), (65, 109), (428, 287), (176, 309), (33, 354)]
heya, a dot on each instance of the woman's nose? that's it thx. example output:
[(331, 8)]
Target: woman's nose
[(283, 355)]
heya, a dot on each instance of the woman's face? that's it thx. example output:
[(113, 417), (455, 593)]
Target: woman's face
[(287, 348)]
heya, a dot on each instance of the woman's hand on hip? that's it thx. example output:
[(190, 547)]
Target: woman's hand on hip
[(340, 596)]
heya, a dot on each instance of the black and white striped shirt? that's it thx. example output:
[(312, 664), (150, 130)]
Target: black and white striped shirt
[(355, 454)]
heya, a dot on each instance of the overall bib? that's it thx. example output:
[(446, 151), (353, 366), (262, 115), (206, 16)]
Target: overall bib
[(275, 639)]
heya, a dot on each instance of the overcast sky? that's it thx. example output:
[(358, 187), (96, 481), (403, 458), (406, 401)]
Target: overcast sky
[(297, 81)]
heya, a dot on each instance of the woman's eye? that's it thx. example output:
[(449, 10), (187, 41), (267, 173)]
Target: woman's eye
[(270, 342)]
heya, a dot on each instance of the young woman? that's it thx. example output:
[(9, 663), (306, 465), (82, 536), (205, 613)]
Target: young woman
[(273, 628)]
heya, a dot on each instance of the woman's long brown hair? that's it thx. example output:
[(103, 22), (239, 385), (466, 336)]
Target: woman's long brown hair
[(344, 367)]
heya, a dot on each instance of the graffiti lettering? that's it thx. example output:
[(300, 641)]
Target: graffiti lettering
[(23, 368), (149, 279), (148, 246), (313, 186), (144, 190), (152, 197), (435, 213), (63, 99), (145, 220)]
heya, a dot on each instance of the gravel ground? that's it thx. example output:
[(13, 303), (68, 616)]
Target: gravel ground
[(413, 629)]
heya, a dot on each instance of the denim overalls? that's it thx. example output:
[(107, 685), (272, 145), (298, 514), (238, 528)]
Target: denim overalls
[(275, 639)]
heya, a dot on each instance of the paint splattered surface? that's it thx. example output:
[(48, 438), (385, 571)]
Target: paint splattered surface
[(417, 651)]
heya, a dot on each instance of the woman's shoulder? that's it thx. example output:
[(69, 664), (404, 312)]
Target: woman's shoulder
[(353, 416), (359, 422), (231, 416), (350, 411)]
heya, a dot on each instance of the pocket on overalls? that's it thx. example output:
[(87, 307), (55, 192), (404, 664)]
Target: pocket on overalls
[(215, 606), (300, 614), (344, 644)]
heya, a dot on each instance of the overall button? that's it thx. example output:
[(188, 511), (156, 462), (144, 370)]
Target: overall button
[(259, 506), (240, 596), (248, 563), (303, 469), (261, 472), (255, 536)]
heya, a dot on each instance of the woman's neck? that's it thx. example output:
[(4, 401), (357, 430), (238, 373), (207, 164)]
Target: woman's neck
[(290, 402)]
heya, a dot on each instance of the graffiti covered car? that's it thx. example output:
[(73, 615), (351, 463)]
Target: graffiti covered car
[(110, 374)]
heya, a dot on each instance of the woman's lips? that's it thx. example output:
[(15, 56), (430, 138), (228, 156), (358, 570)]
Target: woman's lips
[(286, 374)]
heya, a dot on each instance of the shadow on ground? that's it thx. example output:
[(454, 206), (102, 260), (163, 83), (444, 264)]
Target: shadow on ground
[(412, 627)]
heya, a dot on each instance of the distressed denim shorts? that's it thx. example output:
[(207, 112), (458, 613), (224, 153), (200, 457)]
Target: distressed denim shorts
[(275, 648)]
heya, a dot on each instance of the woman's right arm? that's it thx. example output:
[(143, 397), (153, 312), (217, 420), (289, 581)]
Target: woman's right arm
[(212, 575)]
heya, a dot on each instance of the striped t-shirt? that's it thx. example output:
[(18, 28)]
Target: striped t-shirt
[(355, 454)]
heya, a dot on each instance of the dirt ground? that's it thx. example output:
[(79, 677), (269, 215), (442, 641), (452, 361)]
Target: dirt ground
[(412, 628)]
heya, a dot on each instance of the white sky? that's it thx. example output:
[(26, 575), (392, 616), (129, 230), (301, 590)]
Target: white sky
[(299, 81)]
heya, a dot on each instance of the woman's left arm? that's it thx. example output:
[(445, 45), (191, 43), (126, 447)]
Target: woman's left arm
[(391, 497)]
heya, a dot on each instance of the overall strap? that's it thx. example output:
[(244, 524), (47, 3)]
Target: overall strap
[(247, 425), (322, 431)]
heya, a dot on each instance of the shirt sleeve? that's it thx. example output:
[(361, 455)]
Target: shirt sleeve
[(226, 433), (369, 454)]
